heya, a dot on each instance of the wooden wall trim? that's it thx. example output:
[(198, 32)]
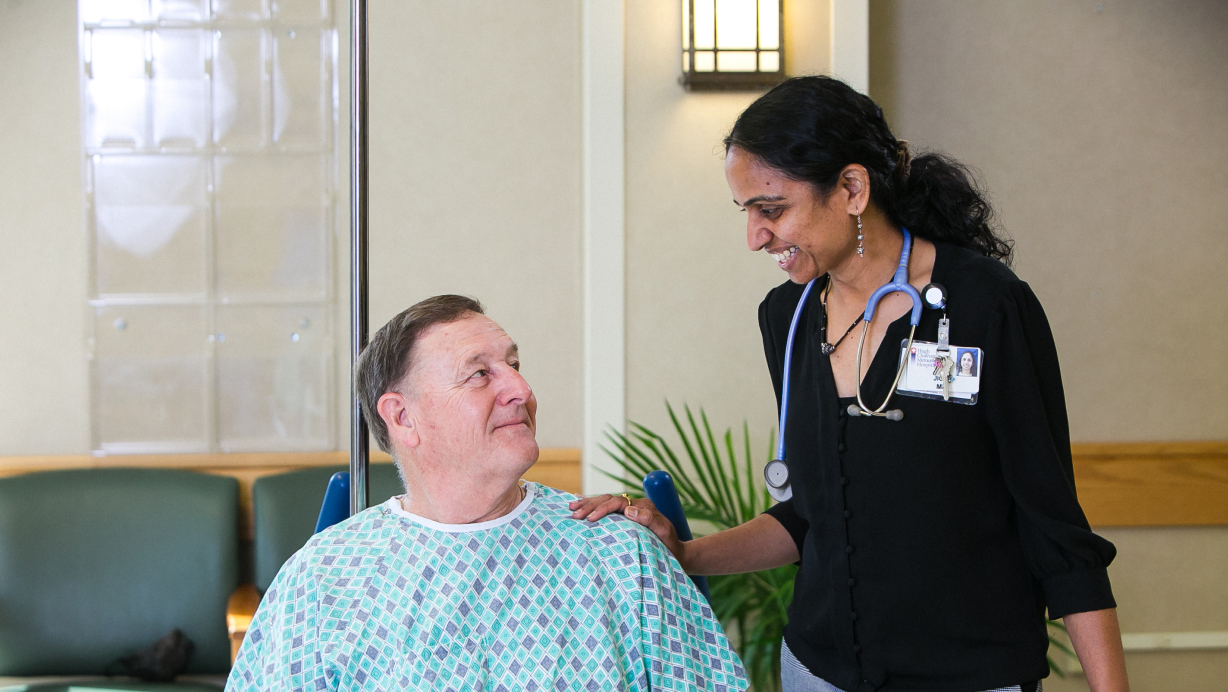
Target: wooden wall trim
[(1153, 483), (556, 467), (1119, 483), (14, 465), (1211, 449)]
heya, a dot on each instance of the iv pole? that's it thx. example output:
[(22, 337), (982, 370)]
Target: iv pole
[(359, 452)]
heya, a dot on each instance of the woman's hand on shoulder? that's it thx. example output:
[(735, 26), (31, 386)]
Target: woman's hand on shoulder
[(597, 506), (640, 510)]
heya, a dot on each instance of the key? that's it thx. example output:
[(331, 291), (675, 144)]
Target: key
[(944, 372)]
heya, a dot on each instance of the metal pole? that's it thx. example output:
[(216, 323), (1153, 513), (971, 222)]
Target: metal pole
[(359, 452)]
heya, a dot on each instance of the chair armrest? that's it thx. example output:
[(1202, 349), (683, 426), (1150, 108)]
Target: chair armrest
[(240, 610)]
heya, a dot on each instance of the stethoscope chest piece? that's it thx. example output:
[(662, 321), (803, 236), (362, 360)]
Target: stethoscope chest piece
[(776, 473)]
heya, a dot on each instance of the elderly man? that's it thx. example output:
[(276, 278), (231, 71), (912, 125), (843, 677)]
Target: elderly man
[(474, 579)]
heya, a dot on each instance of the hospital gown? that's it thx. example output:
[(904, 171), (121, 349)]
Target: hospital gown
[(533, 600)]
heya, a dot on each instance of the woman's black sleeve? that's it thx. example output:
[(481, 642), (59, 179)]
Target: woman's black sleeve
[(1021, 389), (782, 512), (788, 517)]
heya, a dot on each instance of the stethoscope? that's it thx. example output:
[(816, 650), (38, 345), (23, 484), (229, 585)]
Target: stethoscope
[(776, 472)]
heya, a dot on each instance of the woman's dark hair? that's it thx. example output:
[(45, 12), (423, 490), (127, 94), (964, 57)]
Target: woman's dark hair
[(811, 128)]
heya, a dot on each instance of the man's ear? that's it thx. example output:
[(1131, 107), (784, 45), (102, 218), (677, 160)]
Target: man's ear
[(397, 412)]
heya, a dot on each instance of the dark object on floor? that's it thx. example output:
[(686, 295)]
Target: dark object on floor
[(161, 662)]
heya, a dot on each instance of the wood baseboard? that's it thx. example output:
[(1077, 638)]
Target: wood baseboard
[(1119, 483)]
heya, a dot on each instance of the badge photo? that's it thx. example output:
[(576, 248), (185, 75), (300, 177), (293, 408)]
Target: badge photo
[(928, 366)]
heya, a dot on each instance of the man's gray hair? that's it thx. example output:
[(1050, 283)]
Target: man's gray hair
[(388, 357)]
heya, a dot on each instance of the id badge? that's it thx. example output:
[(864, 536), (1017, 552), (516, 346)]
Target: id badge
[(920, 380)]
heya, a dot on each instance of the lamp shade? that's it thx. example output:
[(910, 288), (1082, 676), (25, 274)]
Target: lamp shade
[(732, 44)]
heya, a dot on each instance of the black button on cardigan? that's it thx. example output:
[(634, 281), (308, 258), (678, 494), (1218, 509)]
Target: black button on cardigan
[(968, 527)]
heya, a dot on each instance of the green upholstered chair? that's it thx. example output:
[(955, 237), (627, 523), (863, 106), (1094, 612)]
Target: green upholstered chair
[(109, 685), (287, 505), (98, 563)]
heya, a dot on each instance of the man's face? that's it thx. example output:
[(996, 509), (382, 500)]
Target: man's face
[(473, 411)]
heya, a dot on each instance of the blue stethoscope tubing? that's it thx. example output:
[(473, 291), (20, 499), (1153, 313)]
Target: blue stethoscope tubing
[(776, 472), (898, 283)]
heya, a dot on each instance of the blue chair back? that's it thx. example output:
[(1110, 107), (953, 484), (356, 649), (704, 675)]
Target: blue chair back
[(659, 487), (287, 511), (336, 505)]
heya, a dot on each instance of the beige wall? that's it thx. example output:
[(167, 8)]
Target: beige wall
[(475, 177), (693, 288), (1104, 150), (475, 189), (44, 392), (1102, 138), (1169, 580)]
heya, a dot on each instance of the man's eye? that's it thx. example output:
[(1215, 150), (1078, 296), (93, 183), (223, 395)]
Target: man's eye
[(479, 373), (516, 366), (770, 212)]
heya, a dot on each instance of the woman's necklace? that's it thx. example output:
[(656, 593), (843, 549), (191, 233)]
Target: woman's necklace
[(828, 349)]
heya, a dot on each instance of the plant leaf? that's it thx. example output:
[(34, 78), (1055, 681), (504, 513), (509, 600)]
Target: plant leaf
[(721, 473), (739, 499), (703, 472)]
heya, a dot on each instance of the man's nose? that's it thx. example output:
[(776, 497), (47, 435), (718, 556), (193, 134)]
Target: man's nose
[(516, 389)]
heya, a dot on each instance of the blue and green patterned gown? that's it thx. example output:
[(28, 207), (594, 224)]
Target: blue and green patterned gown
[(533, 600)]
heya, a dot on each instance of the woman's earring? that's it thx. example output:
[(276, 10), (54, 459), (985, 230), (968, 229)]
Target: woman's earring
[(861, 245)]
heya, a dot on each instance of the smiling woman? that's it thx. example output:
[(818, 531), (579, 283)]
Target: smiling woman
[(931, 542), (832, 195)]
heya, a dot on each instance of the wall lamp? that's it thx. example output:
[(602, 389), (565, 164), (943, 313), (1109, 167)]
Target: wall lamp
[(732, 44)]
